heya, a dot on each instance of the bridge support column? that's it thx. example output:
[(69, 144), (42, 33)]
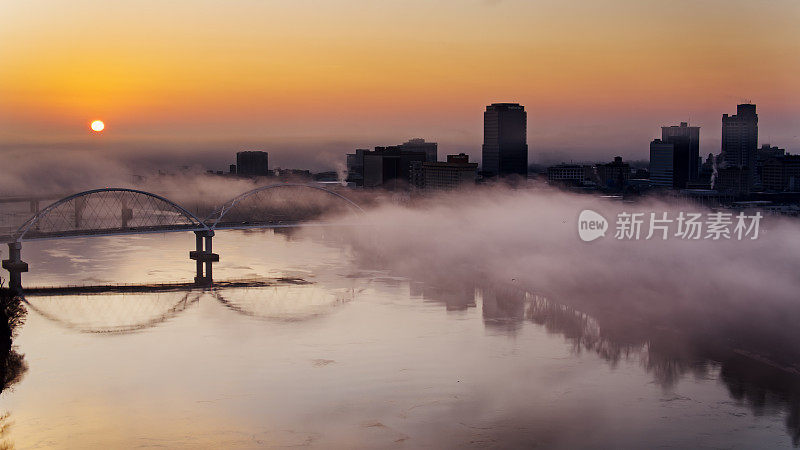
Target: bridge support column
[(15, 266), (204, 257)]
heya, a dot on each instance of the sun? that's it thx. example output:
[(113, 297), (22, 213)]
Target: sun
[(97, 126)]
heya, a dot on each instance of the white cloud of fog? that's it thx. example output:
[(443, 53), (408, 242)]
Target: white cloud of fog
[(529, 238)]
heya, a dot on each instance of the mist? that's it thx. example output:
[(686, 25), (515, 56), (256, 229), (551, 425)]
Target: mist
[(742, 292)]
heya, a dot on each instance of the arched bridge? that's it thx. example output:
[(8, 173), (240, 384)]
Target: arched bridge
[(110, 211), (276, 205)]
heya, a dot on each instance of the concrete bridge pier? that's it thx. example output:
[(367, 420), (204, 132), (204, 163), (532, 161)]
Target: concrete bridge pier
[(15, 266), (204, 257)]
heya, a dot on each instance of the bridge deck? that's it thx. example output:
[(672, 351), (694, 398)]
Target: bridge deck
[(45, 291)]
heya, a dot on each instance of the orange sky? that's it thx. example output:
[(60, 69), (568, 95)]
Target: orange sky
[(368, 71)]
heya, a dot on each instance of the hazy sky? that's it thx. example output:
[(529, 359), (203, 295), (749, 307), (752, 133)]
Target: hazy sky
[(310, 79)]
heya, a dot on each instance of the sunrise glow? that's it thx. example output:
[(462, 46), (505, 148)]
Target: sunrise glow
[(98, 126)]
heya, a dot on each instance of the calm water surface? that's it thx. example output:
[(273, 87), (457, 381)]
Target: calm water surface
[(336, 355)]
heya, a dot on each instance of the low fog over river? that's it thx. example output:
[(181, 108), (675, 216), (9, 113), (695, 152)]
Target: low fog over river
[(466, 319)]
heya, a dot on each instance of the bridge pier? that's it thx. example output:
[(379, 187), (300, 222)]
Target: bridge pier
[(203, 257), (15, 266)]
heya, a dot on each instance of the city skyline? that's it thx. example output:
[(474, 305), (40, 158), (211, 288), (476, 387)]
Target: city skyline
[(310, 83)]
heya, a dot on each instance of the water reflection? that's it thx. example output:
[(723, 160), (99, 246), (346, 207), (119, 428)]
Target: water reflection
[(288, 302), (667, 354), (285, 299), (386, 351), (112, 313)]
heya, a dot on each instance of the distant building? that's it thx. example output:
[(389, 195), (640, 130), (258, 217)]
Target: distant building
[(662, 163), (570, 174), (781, 174), (739, 141), (707, 169), (733, 180), (293, 174), (232, 169), (356, 161), (505, 142), (355, 167), (389, 167), (685, 154), (431, 149), (614, 174), (763, 154), (454, 173), (252, 163)]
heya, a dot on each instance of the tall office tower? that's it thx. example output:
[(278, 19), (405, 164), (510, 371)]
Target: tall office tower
[(686, 152), (252, 163), (505, 142), (739, 140), (662, 157)]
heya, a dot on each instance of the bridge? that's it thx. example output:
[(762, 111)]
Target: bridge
[(119, 211)]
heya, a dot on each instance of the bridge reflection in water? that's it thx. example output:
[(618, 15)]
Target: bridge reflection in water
[(116, 211), (130, 308), (667, 355)]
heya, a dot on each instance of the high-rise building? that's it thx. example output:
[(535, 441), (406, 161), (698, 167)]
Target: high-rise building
[(740, 140), (252, 163), (686, 152), (505, 142), (662, 157)]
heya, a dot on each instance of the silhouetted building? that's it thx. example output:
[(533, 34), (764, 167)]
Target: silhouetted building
[(739, 142), (456, 172), (685, 153), (733, 180), (355, 167), (707, 169), (232, 169), (389, 167), (367, 168), (293, 174), (570, 174), (662, 156), (763, 154), (252, 163), (781, 173), (614, 174), (505, 142), (431, 149)]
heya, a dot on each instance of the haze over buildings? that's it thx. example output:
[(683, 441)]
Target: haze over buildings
[(309, 85)]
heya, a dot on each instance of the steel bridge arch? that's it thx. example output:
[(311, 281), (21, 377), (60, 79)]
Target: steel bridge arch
[(194, 222), (226, 207)]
